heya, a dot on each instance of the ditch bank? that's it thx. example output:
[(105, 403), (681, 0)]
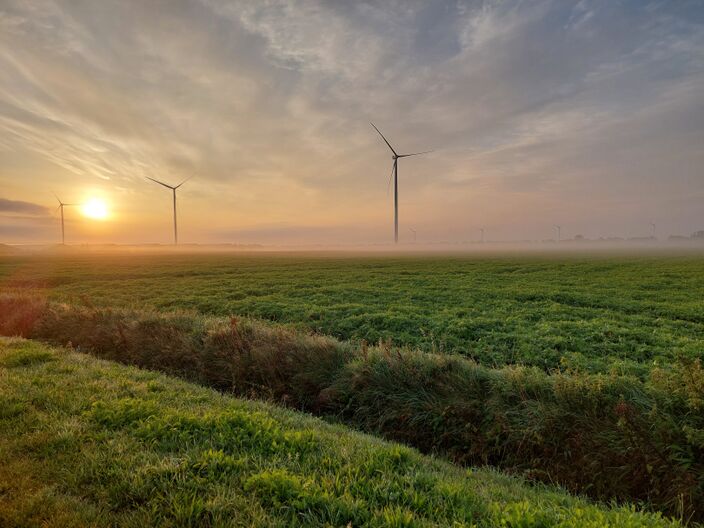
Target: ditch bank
[(610, 437)]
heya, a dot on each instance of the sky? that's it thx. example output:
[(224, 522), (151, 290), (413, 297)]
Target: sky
[(588, 114)]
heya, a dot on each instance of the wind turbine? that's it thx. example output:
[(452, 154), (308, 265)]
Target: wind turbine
[(173, 190), (482, 230), (414, 234), (652, 225), (61, 207), (558, 231), (394, 173)]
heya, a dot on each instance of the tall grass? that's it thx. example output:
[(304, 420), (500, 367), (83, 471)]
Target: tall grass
[(608, 436)]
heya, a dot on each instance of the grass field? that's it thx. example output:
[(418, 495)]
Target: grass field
[(608, 401), (85, 442), (562, 311)]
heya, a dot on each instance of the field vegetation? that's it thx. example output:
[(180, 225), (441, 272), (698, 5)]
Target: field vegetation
[(582, 371), (86, 442), (609, 435), (594, 314)]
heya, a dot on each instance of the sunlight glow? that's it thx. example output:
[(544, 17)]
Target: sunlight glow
[(95, 208)]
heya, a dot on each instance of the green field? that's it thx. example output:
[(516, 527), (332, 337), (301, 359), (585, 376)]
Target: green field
[(562, 311), (580, 370), (85, 442)]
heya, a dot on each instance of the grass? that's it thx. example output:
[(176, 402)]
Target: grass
[(585, 371), (612, 436), (587, 313), (86, 442)]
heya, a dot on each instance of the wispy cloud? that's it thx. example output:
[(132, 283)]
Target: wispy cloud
[(18, 206), (547, 109)]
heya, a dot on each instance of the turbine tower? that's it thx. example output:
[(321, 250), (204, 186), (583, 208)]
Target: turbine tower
[(414, 234), (652, 226), (61, 207), (173, 190), (482, 230), (394, 174), (558, 231)]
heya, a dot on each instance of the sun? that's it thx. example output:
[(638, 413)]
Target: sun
[(95, 208)]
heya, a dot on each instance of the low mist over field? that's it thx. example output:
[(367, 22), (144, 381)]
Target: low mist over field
[(684, 245)]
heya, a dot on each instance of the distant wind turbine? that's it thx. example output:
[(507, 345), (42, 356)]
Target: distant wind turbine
[(61, 207), (652, 225), (482, 230), (414, 234), (173, 190), (394, 174), (558, 231)]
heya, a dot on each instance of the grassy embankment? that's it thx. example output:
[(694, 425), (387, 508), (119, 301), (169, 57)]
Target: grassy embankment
[(86, 442), (607, 435)]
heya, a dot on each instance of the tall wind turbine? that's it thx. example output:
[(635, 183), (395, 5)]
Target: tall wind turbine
[(414, 234), (61, 207), (559, 228), (652, 225), (482, 230), (394, 173), (173, 190)]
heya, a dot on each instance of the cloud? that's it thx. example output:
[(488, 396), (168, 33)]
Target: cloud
[(533, 104), (17, 206), (20, 228)]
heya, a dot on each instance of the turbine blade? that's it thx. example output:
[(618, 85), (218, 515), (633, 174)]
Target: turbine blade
[(388, 187), (382, 137), (160, 183), (415, 153), (184, 181), (57, 198)]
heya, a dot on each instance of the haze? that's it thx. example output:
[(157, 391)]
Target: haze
[(586, 114)]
